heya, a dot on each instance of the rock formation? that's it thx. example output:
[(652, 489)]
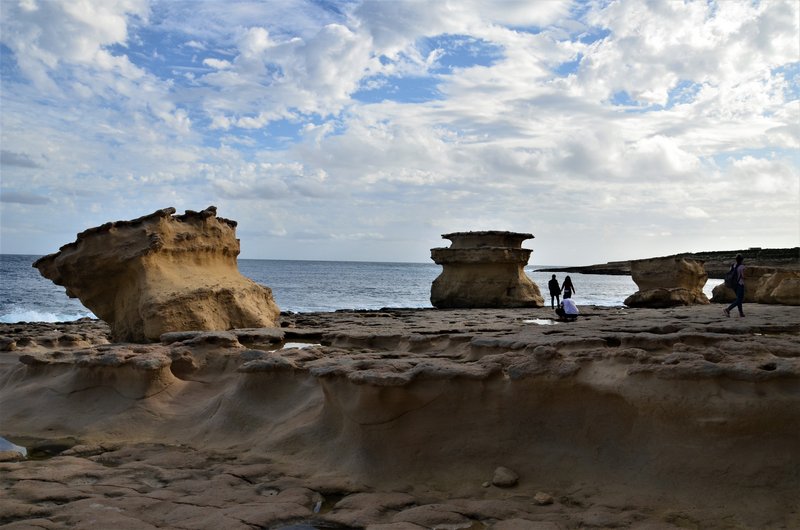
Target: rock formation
[(716, 263), (667, 282), (484, 269), (764, 285), (404, 419), (160, 273)]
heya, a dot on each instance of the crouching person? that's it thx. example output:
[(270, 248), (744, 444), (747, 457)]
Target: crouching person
[(567, 310)]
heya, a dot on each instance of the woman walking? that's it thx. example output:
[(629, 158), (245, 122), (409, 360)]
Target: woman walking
[(739, 279)]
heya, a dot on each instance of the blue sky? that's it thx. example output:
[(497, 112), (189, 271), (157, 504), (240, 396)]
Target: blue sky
[(363, 130)]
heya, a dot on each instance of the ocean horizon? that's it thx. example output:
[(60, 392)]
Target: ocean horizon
[(300, 286)]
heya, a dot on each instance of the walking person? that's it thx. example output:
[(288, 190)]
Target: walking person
[(555, 292), (739, 279), (568, 288)]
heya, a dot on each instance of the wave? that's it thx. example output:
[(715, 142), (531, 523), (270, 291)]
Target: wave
[(15, 315)]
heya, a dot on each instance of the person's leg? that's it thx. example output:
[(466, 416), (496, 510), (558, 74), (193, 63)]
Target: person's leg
[(733, 304), (740, 299)]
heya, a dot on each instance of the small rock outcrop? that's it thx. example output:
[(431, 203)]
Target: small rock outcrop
[(161, 273), (764, 285), (667, 282), (484, 269)]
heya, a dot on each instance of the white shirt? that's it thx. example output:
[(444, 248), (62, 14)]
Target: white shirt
[(569, 307)]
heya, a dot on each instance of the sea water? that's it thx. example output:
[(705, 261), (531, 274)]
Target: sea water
[(299, 286)]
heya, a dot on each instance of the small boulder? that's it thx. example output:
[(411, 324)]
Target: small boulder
[(543, 499), (504, 478), (667, 282)]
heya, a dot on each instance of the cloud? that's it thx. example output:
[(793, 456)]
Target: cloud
[(16, 197), (8, 158), (588, 124), (694, 212), (43, 34)]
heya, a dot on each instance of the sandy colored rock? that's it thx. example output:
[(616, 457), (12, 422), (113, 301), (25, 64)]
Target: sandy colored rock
[(484, 269), (394, 418), (764, 285), (161, 273), (667, 282)]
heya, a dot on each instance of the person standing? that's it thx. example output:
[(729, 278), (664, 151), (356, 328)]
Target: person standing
[(555, 292), (568, 288), (739, 276)]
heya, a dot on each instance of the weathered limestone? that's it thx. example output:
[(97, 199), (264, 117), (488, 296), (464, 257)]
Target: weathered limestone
[(667, 282), (484, 269), (764, 285), (161, 273), (397, 419)]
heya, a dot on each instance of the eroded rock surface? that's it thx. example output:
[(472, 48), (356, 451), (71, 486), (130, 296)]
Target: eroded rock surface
[(764, 285), (484, 269), (667, 282), (402, 417), (160, 273)]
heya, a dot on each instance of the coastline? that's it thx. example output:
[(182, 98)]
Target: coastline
[(716, 263), (402, 417)]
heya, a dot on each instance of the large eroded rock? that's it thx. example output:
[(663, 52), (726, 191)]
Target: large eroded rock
[(160, 273), (764, 285), (484, 269), (667, 282)]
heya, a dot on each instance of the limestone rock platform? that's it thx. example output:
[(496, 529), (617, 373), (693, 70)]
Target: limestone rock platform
[(627, 418)]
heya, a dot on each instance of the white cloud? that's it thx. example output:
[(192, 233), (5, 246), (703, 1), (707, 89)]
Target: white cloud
[(694, 212), (216, 64), (42, 34), (773, 177), (255, 107)]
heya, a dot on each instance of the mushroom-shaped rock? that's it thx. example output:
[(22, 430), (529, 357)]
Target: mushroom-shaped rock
[(764, 285), (162, 273), (484, 269), (668, 282)]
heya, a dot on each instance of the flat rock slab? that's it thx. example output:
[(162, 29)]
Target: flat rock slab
[(399, 418)]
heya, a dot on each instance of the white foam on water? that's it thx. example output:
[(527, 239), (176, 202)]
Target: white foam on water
[(32, 315)]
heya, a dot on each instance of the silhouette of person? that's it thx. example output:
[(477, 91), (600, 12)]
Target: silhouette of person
[(555, 292), (739, 288), (568, 288)]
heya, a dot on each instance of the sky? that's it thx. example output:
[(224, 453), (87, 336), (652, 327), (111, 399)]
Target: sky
[(364, 130)]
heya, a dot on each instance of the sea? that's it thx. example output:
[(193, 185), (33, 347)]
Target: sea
[(299, 287)]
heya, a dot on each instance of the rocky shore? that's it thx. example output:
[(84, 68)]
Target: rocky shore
[(716, 263), (408, 419)]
